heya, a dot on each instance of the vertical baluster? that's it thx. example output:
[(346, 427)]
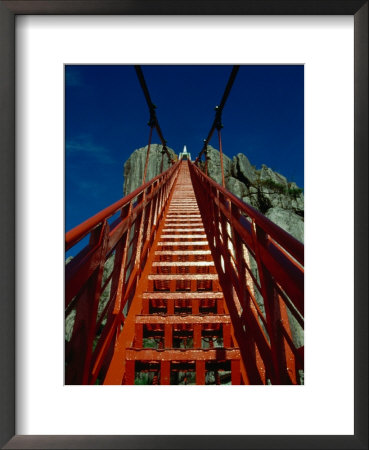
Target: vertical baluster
[(125, 241), (84, 330), (165, 372), (271, 309), (138, 335), (168, 335), (290, 360), (221, 153), (140, 234), (200, 372), (245, 299), (235, 372), (129, 377)]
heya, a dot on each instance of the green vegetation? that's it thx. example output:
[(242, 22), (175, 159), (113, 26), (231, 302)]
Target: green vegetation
[(277, 187), (280, 188), (294, 192)]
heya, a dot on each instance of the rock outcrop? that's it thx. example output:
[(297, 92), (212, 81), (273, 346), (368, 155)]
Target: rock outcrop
[(288, 220), (135, 165), (264, 189)]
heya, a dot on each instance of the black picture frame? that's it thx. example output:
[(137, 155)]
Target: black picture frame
[(8, 12)]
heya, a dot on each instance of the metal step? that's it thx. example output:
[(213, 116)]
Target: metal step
[(183, 252), (179, 243), (183, 264)]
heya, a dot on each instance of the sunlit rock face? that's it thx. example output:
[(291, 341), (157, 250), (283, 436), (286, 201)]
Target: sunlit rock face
[(135, 165), (264, 189), (288, 220)]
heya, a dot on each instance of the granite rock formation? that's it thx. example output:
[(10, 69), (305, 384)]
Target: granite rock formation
[(264, 189), (135, 165)]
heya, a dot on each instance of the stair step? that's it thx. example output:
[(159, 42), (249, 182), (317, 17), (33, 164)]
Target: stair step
[(183, 264), (190, 243), (184, 230), (183, 319), (183, 252), (179, 354), (182, 295), (185, 216), (184, 277), (177, 223), (183, 236)]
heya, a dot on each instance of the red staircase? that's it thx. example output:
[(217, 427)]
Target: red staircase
[(182, 327)]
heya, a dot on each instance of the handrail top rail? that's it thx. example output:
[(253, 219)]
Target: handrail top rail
[(291, 244), (77, 233)]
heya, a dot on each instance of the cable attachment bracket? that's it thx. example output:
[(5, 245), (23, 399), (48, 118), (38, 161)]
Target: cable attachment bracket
[(153, 120), (205, 149), (218, 118)]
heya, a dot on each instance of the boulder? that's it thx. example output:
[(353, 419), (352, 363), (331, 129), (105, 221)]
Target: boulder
[(236, 187), (214, 167), (267, 174), (288, 220), (243, 170)]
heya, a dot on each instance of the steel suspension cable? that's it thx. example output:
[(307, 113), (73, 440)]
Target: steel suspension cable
[(217, 123), (147, 156), (153, 122)]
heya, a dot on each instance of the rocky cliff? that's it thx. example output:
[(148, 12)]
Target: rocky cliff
[(267, 191), (135, 165)]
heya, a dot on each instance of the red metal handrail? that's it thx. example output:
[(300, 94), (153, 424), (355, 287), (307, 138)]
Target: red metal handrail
[(260, 269), (98, 300)]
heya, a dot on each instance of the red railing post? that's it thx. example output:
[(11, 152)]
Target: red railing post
[(206, 161), (286, 342), (162, 160), (124, 243), (78, 370), (221, 155), (245, 288), (140, 230), (273, 312)]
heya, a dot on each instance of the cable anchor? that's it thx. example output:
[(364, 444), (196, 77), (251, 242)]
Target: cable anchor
[(218, 118), (153, 120)]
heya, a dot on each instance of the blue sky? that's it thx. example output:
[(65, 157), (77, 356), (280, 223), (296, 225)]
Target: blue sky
[(106, 119)]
